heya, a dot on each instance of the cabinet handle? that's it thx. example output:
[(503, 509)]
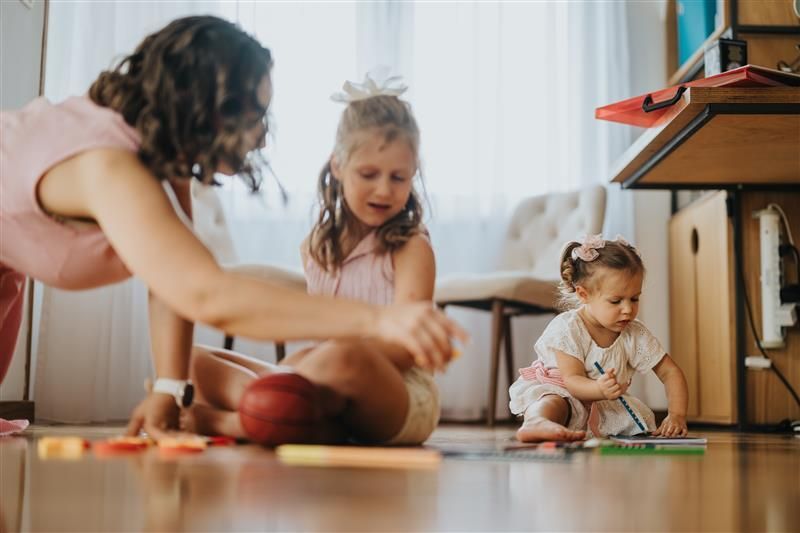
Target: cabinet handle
[(695, 241), (648, 105)]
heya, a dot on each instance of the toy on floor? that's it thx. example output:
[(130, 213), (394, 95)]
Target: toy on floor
[(279, 409), (358, 456), (68, 448), (121, 445), (182, 445)]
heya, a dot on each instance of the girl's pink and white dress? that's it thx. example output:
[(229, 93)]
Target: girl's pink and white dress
[(635, 350)]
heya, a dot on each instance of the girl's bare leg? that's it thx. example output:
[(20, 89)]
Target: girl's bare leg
[(220, 378), (545, 419), (359, 388), (365, 390)]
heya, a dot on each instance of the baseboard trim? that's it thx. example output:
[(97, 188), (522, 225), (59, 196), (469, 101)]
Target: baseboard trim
[(20, 409)]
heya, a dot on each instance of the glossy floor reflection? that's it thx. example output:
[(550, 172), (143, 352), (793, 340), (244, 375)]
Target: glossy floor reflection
[(743, 482)]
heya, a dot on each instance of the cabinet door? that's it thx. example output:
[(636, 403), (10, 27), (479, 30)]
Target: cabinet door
[(714, 311), (683, 302)]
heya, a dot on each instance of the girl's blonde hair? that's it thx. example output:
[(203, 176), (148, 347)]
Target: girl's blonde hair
[(615, 255), (392, 119)]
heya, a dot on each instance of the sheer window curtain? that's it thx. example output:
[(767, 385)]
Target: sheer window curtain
[(504, 94)]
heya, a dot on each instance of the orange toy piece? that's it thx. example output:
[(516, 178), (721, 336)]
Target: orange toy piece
[(179, 445), (69, 448)]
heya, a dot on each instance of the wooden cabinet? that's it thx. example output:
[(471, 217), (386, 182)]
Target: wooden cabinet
[(766, 13), (703, 331), (702, 335)]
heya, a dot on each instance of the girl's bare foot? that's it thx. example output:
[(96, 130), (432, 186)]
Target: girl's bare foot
[(205, 420), (540, 428)]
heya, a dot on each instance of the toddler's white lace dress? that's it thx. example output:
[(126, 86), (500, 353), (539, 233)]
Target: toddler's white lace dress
[(635, 350)]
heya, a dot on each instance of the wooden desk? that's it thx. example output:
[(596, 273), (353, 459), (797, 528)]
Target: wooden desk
[(745, 141), (717, 137)]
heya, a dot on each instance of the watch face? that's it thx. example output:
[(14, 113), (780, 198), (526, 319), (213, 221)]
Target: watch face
[(188, 395)]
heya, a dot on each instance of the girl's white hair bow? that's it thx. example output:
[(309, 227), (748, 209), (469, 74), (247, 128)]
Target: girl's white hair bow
[(376, 82)]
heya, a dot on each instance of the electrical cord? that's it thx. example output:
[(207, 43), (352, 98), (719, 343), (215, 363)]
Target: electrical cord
[(757, 338), (785, 249), (778, 208)]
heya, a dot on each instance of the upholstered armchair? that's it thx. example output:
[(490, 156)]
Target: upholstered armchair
[(527, 275)]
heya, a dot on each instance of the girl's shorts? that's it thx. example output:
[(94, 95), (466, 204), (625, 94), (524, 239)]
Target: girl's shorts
[(423, 408)]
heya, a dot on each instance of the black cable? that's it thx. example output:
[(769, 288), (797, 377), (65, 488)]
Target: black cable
[(788, 248), (758, 342)]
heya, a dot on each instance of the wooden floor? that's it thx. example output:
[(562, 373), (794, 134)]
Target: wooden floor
[(742, 483)]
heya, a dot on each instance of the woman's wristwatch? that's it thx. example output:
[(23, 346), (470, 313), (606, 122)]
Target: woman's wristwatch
[(182, 390)]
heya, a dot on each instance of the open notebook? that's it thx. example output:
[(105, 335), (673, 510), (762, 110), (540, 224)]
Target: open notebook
[(650, 439)]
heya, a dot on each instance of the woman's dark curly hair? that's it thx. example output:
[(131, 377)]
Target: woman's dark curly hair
[(190, 90)]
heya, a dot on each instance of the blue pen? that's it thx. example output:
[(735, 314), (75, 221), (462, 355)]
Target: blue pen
[(624, 403)]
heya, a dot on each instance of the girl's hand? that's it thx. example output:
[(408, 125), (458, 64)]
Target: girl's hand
[(609, 387), (421, 329), (157, 414), (672, 426)]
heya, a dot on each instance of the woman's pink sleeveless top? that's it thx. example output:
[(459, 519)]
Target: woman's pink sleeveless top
[(32, 243)]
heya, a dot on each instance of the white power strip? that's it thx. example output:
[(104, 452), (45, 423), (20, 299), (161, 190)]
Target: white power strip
[(757, 361)]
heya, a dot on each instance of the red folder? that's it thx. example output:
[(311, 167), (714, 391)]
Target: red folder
[(647, 110)]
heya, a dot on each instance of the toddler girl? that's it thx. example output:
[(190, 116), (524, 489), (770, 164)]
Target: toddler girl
[(563, 394)]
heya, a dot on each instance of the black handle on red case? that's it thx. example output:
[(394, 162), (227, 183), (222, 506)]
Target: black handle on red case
[(648, 105)]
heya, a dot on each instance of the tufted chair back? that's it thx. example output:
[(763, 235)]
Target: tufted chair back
[(541, 225)]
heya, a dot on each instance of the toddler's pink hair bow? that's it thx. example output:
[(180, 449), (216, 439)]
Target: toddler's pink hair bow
[(587, 251)]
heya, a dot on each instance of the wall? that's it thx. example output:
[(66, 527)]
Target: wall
[(21, 30), (648, 58)]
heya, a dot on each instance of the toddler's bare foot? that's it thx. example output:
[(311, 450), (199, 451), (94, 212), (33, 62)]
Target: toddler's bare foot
[(205, 420), (540, 428)]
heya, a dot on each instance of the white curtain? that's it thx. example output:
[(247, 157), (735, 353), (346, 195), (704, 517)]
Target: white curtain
[(504, 94)]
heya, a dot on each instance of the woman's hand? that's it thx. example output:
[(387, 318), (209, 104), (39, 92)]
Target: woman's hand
[(423, 330), (672, 426), (610, 388), (157, 415)]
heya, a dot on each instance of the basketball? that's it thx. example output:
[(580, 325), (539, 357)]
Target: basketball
[(279, 409)]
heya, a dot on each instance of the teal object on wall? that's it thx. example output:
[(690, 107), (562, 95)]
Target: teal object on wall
[(695, 24)]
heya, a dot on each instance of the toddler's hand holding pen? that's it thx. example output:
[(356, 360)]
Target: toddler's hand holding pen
[(609, 387)]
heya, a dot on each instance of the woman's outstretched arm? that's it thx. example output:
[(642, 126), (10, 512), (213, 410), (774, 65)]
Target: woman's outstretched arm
[(114, 188)]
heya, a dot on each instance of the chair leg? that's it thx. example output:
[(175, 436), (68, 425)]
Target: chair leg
[(497, 339), (228, 342), (280, 351), (509, 351)]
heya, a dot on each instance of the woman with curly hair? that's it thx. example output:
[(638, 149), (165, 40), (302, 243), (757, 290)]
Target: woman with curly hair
[(85, 203)]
